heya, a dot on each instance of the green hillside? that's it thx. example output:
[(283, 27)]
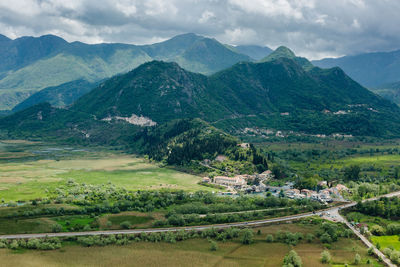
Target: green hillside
[(370, 69), (30, 64), (58, 96), (284, 52), (247, 94), (389, 91), (280, 94)]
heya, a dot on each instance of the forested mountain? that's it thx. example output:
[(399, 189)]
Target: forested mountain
[(369, 69), (389, 91), (58, 96), (29, 64), (280, 93), (285, 52), (247, 94)]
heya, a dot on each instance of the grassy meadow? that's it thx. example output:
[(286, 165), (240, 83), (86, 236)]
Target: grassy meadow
[(387, 241), (194, 252), (28, 170)]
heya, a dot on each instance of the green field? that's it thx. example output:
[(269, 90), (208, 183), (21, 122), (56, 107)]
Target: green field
[(25, 175), (194, 252), (387, 241)]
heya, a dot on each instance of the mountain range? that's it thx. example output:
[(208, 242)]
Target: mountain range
[(370, 69), (282, 92), (29, 64)]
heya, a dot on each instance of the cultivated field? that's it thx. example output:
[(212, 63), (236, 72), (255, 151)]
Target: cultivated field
[(193, 252), (27, 170)]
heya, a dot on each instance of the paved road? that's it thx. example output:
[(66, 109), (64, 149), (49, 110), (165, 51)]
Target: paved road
[(335, 215), (159, 230), (370, 245)]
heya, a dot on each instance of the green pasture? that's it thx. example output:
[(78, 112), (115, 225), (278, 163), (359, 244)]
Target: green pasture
[(27, 176), (387, 241)]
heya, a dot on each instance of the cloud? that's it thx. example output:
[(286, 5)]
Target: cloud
[(312, 28)]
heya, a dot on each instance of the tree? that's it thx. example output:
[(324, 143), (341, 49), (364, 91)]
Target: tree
[(213, 245), (352, 172), (325, 257), (270, 238), (56, 228), (377, 230), (357, 259), (292, 260), (247, 237), (278, 171), (309, 237), (371, 251), (325, 238), (125, 225)]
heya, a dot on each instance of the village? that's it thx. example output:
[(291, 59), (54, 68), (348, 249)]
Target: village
[(256, 183)]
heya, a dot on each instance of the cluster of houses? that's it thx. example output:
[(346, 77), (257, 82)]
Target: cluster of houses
[(246, 183), (241, 182), (324, 196)]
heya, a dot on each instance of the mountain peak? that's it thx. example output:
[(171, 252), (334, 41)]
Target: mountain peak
[(281, 51), (284, 52)]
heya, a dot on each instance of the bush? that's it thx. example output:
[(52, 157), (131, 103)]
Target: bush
[(309, 237), (292, 260), (357, 259), (325, 257), (247, 237), (213, 245), (377, 230), (325, 238), (125, 225), (371, 251), (14, 244), (270, 238), (393, 229), (56, 228)]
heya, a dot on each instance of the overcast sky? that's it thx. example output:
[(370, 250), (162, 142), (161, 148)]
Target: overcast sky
[(312, 28)]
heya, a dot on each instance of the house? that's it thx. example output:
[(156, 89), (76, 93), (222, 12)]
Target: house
[(266, 175), (206, 180), (244, 145), (323, 183), (307, 193), (229, 181), (291, 193), (341, 188)]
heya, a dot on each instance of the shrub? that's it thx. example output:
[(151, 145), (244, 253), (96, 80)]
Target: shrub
[(377, 230), (56, 228), (292, 260), (125, 225), (325, 238), (325, 257), (213, 245), (357, 259), (270, 238), (247, 237), (14, 244), (309, 237)]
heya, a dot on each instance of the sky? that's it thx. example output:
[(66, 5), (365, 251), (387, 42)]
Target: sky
[(311, 28)]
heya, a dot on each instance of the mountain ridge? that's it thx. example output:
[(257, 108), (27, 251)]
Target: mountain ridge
[(29, 64)]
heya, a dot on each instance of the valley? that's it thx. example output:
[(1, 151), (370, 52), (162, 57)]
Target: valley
[(182, 150)]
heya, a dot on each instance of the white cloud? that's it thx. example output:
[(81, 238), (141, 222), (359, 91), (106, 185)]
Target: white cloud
[(310, 27), (206, 16)]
